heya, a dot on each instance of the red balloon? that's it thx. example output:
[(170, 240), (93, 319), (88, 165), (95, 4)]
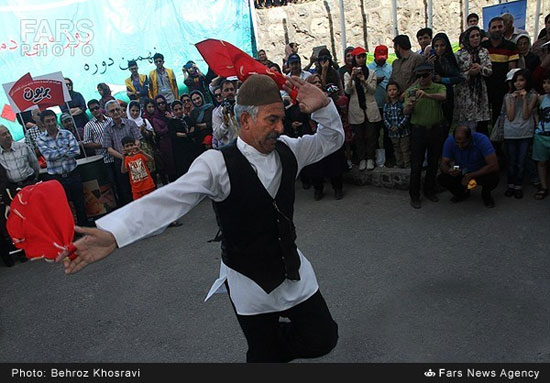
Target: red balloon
[(41, 222)]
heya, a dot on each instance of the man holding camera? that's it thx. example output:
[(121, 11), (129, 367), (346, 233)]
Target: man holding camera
[(224, 125), (423, 103), (474, 159), (194, 79)]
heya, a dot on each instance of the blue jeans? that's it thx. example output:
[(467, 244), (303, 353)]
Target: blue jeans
[(516, 155)]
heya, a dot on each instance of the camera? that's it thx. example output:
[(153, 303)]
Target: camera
[(228, 103)]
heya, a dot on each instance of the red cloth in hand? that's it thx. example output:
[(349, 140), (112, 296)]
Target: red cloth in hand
[(41, 222)]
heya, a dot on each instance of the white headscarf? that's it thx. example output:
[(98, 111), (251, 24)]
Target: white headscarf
[(139, 121)]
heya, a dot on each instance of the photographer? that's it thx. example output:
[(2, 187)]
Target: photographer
[(224, 125), (194, 79), (474, 159)]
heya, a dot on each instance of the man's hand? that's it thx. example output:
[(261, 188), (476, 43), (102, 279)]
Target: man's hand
[(466, 179), (421, 94), (296, 125), (94, 246), (310, 98), (455, 172)]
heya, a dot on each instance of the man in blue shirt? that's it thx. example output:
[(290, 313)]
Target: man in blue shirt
[(474, 159), (60, 149)]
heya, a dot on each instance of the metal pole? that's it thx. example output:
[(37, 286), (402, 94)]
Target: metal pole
[(537, 15), (79, 139), (343, 28), (467, 12), (394, 11), (430, 14), (254, 22)]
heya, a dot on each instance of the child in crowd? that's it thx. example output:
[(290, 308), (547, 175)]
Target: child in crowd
[(519, 125), (135, 163), (396, 121), (541, 145)]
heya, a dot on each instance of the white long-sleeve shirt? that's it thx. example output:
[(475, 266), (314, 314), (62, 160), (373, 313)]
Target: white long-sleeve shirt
[(207, 177)]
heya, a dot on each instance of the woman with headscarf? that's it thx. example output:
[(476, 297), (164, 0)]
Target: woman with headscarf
[(527, 59), (187, 104), (348, 60), (471, 100), (446, 72), (201, 116), (185, 148), (160, 125), (105, 92), (77, 106), (326, 71), (133, 112), (363, 113)]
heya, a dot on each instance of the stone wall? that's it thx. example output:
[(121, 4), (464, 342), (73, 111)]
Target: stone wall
[(368, 23)]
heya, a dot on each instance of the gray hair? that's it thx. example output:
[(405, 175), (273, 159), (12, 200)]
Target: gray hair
[(249, 109), (508, 17), (110, 102)]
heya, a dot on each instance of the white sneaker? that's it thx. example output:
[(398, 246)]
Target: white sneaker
[(370, 164), (363, 165), (350, 164)]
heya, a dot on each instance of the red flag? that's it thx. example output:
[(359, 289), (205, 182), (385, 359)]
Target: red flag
[(40, 221), (8, 113), (227, 60)]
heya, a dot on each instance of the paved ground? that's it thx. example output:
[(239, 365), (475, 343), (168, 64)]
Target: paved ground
[(447, 283)]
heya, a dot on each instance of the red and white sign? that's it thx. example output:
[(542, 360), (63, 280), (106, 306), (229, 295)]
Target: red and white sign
[(43, 92)]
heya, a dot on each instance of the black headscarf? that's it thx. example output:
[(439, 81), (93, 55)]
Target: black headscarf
[(447, 63), (358, 87)]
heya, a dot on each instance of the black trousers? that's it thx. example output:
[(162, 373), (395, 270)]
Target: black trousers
[(454, 184), (336, 182), (423, 139), (124, 190), (311, 333), (74, 190)]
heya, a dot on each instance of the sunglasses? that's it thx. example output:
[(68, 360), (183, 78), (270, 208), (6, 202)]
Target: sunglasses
[(116, 110), (68, 84), (423, 75), (186, 100), (93, 109), (218, 95), (161, 103), (158, 61)]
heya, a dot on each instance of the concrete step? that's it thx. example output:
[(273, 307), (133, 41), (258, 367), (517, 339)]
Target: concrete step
[(392, 178)]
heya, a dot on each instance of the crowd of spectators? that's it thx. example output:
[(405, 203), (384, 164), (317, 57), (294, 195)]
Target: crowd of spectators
[(460, 115)]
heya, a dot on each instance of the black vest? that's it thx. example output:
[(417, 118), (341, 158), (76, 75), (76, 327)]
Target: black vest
[(257, 233)]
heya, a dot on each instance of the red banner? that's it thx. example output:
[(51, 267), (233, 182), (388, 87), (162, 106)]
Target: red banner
[(44, 93)]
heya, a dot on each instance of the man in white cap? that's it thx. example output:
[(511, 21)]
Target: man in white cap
[(251, 182)]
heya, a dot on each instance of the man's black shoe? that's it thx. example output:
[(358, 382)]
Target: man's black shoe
[(318, 195), (415, 202), (338, 194)]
